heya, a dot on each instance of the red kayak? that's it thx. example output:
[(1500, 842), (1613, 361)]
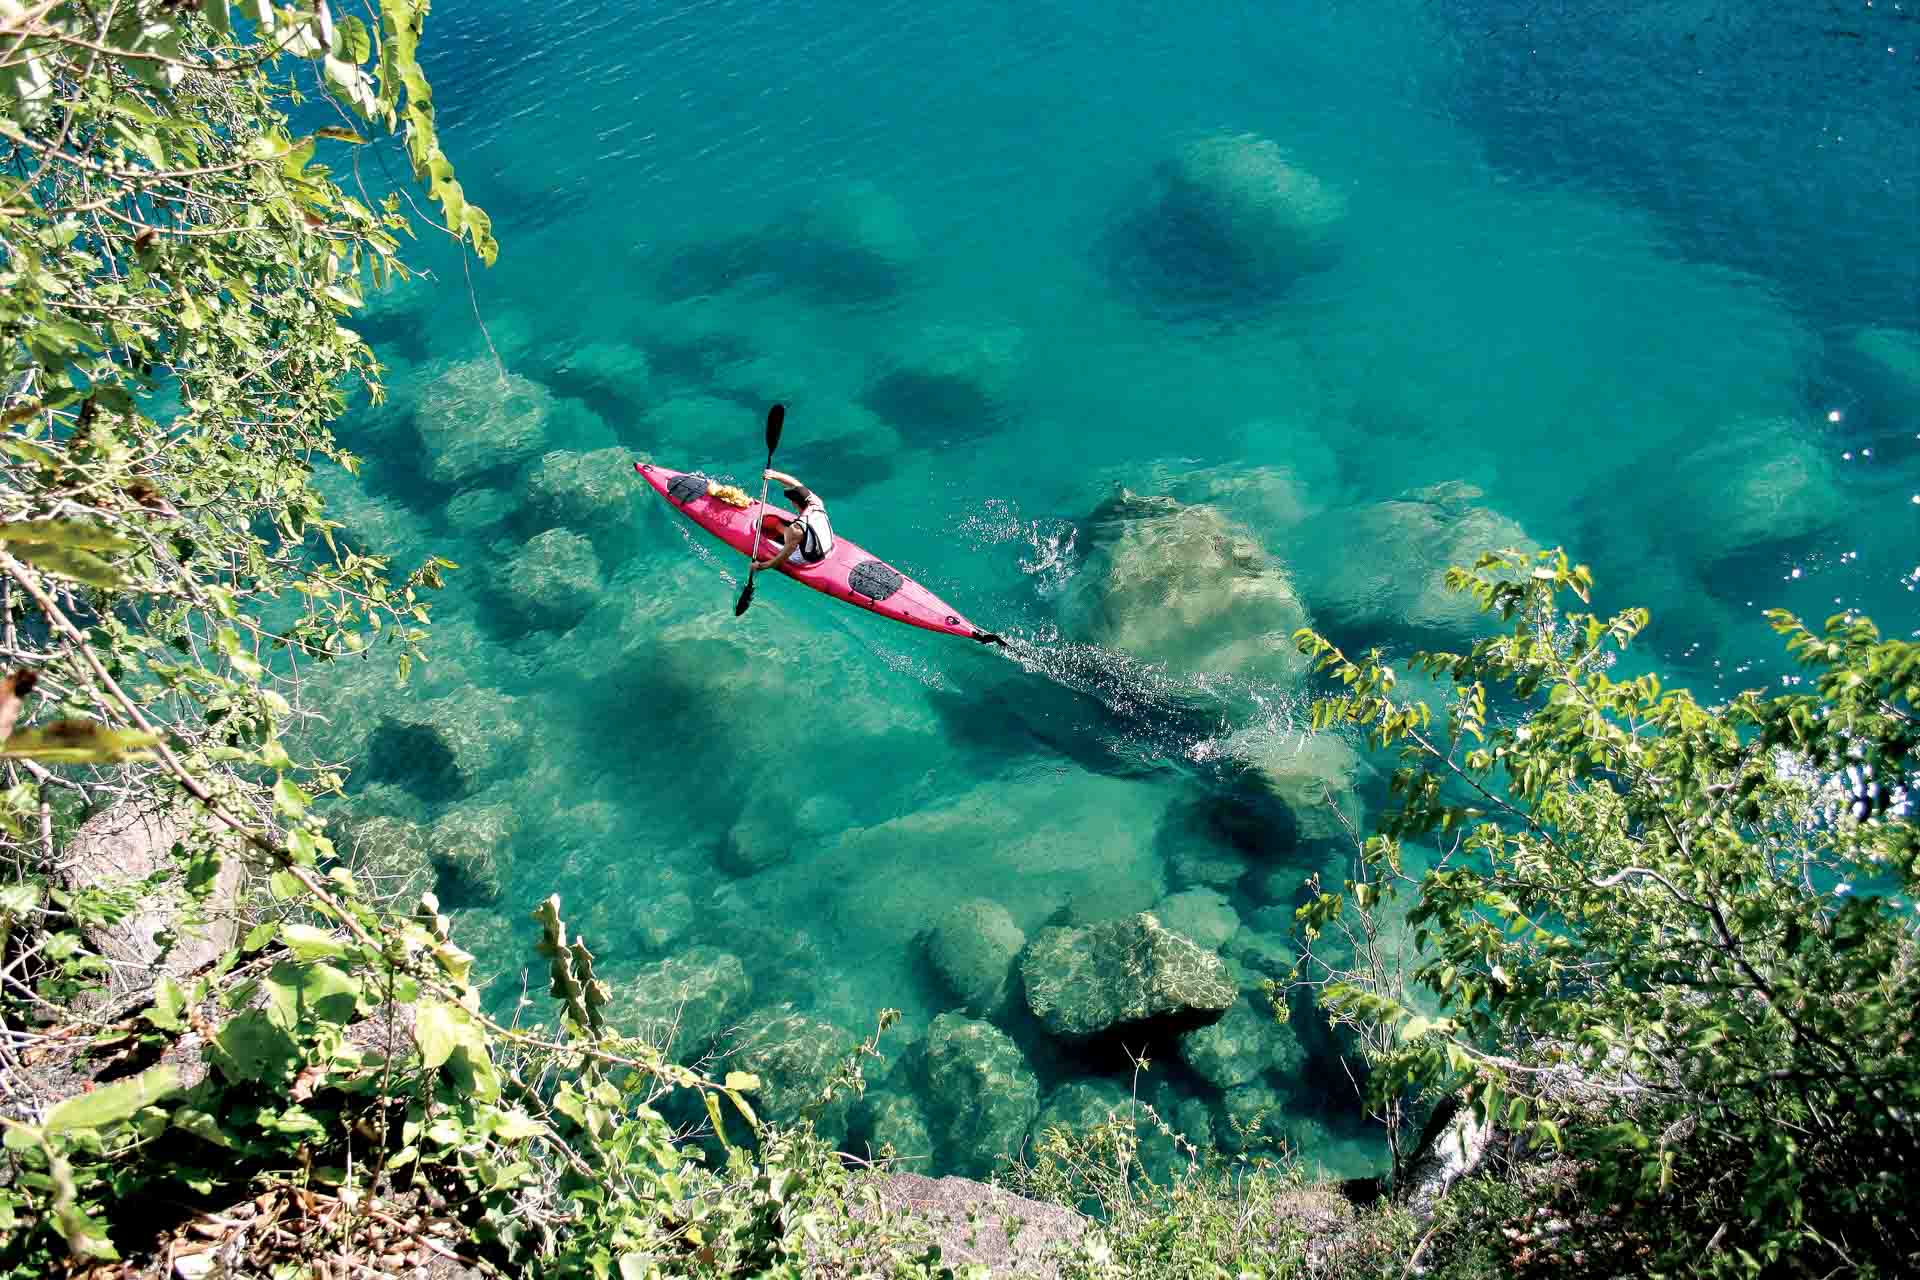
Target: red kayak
[(847, 573)]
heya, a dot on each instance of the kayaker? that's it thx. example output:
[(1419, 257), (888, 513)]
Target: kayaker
[(806, 540)]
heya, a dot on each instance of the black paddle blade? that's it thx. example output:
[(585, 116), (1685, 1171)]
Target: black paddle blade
[(776, 419), (746, 598)]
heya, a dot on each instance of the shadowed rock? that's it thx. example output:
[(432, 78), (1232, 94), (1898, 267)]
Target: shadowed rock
[(1232, 216), (984, 1094), (1379, 570), (1086, 981)]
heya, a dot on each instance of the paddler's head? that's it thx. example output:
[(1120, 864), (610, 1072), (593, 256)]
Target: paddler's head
[(799, 495)]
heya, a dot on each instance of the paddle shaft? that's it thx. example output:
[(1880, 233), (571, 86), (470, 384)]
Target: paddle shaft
[(776, 420)]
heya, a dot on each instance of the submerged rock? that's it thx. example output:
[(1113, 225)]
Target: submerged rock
[(1884, 365), (1380, 569), (1233, 213), (795, 1057), (684, 428), (1317, 776), (949, 380), (390, 858), (1200, 914), (1252, 1118), (984, 1094), (1081, 982), (1242, 1045), (1183, 585), (472, 418), (554, 579), (448, 747), (685, 1002), (1763, 486), (476, 511), (972, 946), (583, 490), (468, 846), (613, 374), (897, 1120), (1079, 1107)]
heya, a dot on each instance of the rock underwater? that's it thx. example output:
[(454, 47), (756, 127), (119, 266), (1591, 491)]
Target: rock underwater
[(1184, 585), (1233, 214), (1086, 981), (1379, 570)]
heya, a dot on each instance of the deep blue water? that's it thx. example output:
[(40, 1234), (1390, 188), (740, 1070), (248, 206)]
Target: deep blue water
[(1643, 277)]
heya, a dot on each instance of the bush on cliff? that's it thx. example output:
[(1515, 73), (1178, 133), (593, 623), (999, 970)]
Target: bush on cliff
[(1703, 913)]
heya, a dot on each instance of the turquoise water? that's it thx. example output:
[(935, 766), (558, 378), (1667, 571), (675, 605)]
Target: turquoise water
[(1646, 281)]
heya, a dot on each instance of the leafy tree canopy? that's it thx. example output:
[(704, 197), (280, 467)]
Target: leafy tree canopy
[(1704, 911)]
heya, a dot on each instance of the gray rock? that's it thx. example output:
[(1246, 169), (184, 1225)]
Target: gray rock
[(984, 1094), (1083, 981), (972, 946), (165, 932), (976, 1223)]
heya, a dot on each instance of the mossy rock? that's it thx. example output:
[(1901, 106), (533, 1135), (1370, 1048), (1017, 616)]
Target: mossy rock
[(1082, 982), (984, 1094)]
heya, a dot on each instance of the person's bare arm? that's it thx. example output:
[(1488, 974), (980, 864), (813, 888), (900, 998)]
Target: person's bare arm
[(788, 546), (781, 478)]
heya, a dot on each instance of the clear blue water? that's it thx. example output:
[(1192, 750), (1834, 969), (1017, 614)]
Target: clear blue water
[(1611, 269)]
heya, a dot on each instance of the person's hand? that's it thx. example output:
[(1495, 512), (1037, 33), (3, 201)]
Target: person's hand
[(764, 564), (768, 474)]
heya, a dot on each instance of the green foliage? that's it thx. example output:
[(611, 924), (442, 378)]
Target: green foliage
[(1706, 911), (1210, 1220)]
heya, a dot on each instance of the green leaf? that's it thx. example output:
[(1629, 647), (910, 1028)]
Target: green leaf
[(169, 1002), (351, 40), (112, 1103), (68, 562), (288, 798), (300, 994), (79, 742), (251, 1048), (515, 1126), (743, 1081), (435, 1031), (310, 943), (336, 132)]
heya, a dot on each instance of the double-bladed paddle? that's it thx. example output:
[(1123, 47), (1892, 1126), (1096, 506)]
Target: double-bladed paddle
[(776, 418)]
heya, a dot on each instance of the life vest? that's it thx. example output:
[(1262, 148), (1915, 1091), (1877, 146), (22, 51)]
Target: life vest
[(816, 533)]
